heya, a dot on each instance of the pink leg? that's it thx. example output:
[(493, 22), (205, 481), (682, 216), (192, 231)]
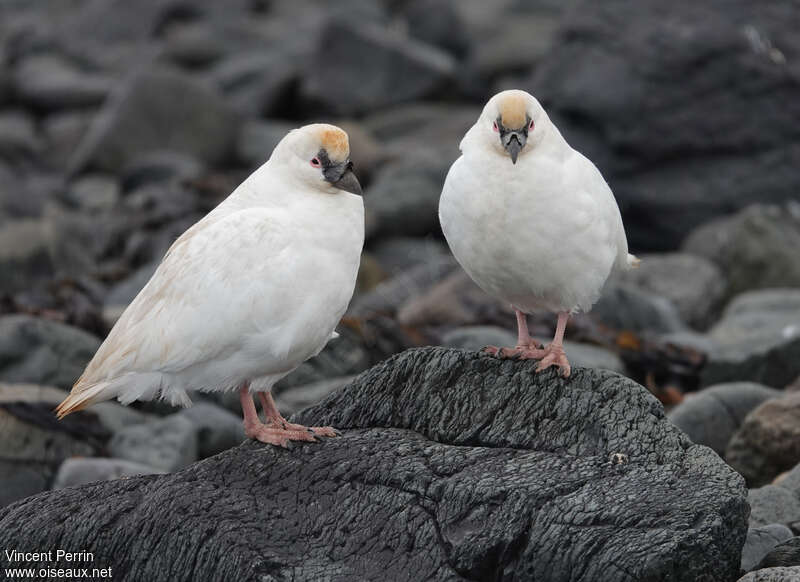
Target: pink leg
[(274, 418), (254, 429), (527, 348), (554, 353)]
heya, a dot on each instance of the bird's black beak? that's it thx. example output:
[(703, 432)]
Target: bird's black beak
[(513, 142), (348, 182), (341, 176)]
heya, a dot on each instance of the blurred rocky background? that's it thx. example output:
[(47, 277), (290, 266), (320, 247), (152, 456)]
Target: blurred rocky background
[(122, 123)]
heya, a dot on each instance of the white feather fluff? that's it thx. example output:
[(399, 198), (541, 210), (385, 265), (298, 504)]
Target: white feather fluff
[(543, 233), (246, 294)]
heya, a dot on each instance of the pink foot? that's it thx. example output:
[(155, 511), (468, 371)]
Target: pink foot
[(555, 356), (326, 431), (275, 419), (527, 351), (276, 436)]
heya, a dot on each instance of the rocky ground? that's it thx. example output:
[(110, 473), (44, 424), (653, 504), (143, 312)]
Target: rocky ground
[(122, 123)]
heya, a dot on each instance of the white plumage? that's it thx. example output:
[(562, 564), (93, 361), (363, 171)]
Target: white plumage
[(530, 219), (250, 291)]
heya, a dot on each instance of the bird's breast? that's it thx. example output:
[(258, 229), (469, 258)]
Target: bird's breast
[(522, 234)]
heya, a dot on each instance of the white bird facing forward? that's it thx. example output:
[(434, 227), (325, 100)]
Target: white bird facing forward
[(531, 220), (245, 295)]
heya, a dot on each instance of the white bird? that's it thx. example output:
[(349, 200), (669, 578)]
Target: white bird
[(246, 294), (531, 220)]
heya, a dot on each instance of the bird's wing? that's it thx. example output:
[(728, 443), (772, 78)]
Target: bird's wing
[(215, 284), (585, 176)]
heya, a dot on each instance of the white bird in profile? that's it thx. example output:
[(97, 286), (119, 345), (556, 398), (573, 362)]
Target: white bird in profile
[(245, 295), (531, 220)]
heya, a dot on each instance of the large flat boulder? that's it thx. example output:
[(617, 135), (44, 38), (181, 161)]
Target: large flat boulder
[(453, 466)]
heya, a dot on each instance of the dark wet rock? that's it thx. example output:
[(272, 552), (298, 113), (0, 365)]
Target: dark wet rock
[(397, 69), (400, 253), (94, 193), (516, 44), (691, 339), (757, 339), (532, 471), (768, 442), (18, 137), (772, 504), (256, 83), (168, 444), (403, 198), (76, 239), (625, 307), (773, 575), (790, 480), (431, 130), (158, 109), (592, 356), (193, 44), (391, 295), (20, 480), (297, 398), (217, 428), (161, 166), (257, 139), (63, 132), (44, 352), (10, 203), (756, 248), (24, 254), (760, 541), (695, 285), (33, 445), (679, 154), (785, 554), (48, 82), (77, 471), (476, 337), (457, 301), (445, 30), (711, 417)]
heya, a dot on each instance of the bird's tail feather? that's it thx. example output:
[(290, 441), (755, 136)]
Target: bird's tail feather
[(80, 400), (633, 261)]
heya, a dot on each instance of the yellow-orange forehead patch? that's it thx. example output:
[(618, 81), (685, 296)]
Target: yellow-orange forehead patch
[(335, 142), (513, 111)]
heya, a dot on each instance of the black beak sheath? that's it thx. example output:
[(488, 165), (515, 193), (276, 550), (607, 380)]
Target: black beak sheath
[(340, 175), (513, 140), (513, 147), (348, 182)]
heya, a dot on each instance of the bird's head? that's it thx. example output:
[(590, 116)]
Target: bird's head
[(319, 154), (514, 122)]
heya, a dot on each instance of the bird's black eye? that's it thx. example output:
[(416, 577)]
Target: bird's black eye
[(530, 125), (494, 126), (315, 162)]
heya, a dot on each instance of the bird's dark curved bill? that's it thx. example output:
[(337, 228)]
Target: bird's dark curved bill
[(349, 183), (513, 148)]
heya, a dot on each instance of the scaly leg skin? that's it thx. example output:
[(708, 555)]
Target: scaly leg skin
[(255, 429), (275, 419), (554, 353), (527, 348)]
